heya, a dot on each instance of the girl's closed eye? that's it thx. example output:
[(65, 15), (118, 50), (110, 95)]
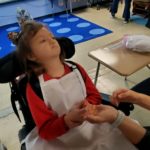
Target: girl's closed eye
[(43, 40)]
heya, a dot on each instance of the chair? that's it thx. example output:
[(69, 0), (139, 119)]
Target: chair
[(18, 81)]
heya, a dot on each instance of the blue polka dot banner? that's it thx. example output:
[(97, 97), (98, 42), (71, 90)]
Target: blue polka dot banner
[(67, 25)]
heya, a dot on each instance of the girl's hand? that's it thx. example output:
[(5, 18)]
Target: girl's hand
[(103, 113), (75, 116), (90, 108)]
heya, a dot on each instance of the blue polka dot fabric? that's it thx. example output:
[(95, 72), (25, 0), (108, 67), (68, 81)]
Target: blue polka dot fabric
[(66, 25)]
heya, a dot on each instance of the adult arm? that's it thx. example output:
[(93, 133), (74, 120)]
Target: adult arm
[(144, 144), (133, 131), (143, 101), (125, 95)]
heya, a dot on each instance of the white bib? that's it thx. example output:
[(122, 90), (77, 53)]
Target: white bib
[(60, 95)]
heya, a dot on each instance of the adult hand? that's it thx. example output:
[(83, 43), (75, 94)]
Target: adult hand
[(103, 113), (75, 116), (124, 95)]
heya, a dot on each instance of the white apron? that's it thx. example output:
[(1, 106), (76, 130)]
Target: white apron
[(61, 94)]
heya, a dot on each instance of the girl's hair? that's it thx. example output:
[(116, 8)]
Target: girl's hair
[(29, 30)]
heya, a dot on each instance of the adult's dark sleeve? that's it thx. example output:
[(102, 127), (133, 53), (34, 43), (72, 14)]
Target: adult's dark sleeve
[(144, 144), (9, 68), (143, 87)]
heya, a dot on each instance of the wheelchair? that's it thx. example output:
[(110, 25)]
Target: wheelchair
[(18, 79)]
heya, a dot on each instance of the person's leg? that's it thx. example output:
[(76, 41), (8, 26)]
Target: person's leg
[(126, 12), (114, 7), (143, 87)]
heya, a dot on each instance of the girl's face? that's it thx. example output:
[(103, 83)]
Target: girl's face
[(44, 46)]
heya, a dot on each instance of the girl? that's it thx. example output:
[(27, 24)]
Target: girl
[(60, 116)]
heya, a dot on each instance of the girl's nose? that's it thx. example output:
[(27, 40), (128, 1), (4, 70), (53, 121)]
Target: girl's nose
[(51, 40)]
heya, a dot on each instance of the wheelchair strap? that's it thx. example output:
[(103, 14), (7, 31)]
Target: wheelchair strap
[(14, 97)]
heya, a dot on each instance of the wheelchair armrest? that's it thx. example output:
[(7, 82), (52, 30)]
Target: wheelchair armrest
[(123, 106)]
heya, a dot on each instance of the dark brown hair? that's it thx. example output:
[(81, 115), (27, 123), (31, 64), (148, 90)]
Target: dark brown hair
[(29, 30)]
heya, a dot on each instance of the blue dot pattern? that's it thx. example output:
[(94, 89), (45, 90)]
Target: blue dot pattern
[(12, 29), (66, 25), (72, 19), (83, 25), (55, 24), (97, 31), (76, 38), (48, 20), (63, 30)]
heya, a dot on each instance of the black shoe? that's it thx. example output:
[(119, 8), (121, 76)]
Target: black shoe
[(126, 21), (113, 15)]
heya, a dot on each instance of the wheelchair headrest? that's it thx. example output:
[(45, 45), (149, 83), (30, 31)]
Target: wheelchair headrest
[(10, 67)]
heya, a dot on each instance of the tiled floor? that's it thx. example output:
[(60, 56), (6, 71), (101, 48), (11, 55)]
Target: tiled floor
[(107, 82)]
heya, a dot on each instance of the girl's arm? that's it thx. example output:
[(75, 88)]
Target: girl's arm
[(47, 121), (49, 124)]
